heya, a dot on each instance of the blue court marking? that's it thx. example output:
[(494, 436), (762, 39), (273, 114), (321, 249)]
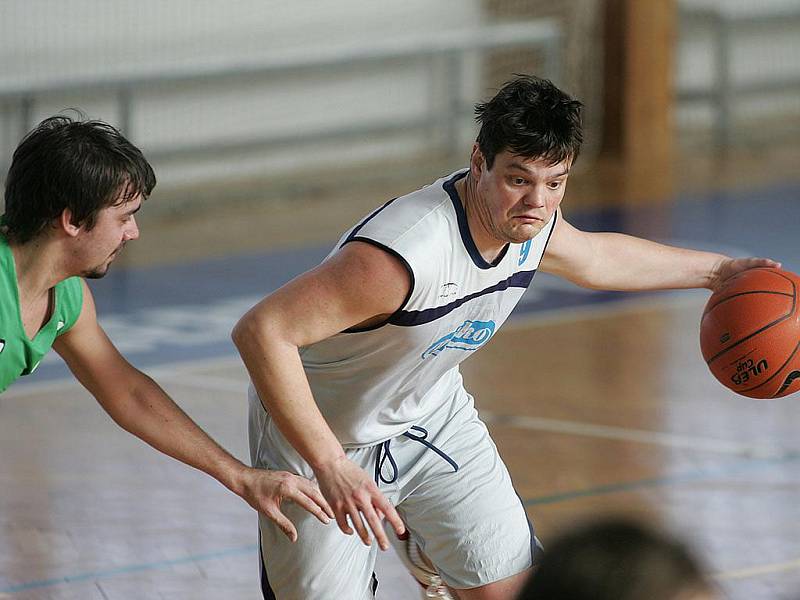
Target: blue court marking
[(731, 468), (160, 315), (151, 566), (678, 478)]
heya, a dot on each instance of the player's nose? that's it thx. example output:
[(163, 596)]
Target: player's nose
[(536, 198), (133, 230)]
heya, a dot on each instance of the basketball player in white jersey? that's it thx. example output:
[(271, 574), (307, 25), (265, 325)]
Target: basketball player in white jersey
[(354, 364)]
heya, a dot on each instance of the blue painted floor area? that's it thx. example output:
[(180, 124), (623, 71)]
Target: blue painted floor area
[(159, 315)]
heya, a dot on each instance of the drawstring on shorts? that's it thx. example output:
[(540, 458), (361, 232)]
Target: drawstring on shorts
[(385, 454)]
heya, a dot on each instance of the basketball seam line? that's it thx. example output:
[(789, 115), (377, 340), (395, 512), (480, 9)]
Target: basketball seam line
[(709, 309), (755, 333), (778, 273), (744, 339)]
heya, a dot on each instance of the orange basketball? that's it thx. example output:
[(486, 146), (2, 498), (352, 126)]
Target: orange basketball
[(750, 333)]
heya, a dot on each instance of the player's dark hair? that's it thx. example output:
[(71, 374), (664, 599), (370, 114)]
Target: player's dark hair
[(64, 163), (531, 117), (615, 559)]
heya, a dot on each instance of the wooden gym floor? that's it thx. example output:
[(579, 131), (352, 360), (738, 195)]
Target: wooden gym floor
[(598, 403)]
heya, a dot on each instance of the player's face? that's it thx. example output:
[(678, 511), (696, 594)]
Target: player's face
[(519, 195), (114, 227)]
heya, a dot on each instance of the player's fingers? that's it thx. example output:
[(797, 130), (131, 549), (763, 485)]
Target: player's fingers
[(341, 520), (767, 262), (312, 491), (304, 501), (375, 524), (755, 261), (391, 515), (284, 524), (358, 523)]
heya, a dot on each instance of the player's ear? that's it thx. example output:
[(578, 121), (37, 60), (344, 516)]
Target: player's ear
[(64, 222), (476, 162)]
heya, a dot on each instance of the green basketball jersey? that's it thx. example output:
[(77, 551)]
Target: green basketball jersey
[(20, 355)]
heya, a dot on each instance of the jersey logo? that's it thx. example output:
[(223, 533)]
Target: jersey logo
[(60, 325), (448, 290), (469, 336), (2, 345), (524, 251)]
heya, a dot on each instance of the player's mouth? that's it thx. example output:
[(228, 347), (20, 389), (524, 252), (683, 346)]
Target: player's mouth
[(528, 219), (113, 255)]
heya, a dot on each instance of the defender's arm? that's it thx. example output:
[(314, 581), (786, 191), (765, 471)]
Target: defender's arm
[(137, 404)]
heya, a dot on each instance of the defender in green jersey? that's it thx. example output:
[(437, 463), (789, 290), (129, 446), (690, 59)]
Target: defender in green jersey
[(20, 354), (72, 191)]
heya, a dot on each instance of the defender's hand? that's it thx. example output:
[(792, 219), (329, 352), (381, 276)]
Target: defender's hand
[(731, 266), (265, 490), (353, 494)]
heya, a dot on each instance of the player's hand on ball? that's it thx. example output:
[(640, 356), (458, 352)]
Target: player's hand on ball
[(729, 267), (265, 490), (353, 495)]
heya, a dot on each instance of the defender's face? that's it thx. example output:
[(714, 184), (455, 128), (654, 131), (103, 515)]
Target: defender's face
[(114, 227), (519, 195)]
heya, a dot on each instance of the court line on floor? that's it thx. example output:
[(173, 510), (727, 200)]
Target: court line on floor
[(171, 369), (149, 566), (643, 436), (727, 469)]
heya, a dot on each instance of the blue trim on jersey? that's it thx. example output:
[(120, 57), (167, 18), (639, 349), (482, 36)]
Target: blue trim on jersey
[(537, 550), (552, 229), (463, 226), (399, 257), (409, 318)]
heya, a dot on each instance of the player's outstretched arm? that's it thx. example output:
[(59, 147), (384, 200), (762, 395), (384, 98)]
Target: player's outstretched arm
[(358, 285), (614, 261), (140, 406)]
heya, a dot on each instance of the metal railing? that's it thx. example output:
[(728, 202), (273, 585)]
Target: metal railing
[(445, 53), (722, 26)]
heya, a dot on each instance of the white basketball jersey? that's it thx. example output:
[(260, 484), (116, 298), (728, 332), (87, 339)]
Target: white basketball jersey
[(373, 384)]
